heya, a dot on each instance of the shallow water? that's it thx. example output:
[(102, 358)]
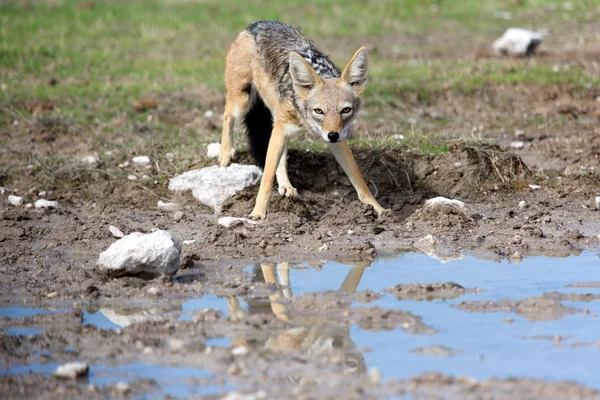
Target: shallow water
[(480, 345)]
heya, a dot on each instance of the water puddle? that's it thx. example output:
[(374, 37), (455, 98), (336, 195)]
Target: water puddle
[(529, 319)]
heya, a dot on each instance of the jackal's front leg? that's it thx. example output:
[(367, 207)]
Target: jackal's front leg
[(274, 152), (285, 186), (343, 155)]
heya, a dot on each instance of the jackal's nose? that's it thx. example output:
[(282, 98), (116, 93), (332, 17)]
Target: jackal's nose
[(333, 136)]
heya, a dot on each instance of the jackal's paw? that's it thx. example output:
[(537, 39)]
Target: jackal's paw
[(382, 212), (289, 191), (257, 215), (225, 157)]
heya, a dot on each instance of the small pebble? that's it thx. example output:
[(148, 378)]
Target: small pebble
[(209, 114), (42, 193), (534, 187), (141, 160), (189, 241), (457, 164), (92, 160), (324, 248), (262, 244), (597, 200), (72, 370), (42, 203), (28, 205), (52, 295), (374, 376), (240, 351), (178, 216), (167, 206), (116, 232), (124, 164), (519, 133), (517, 239), (350, 232), (522, 204), (15, 200), (122, 387), (517, 144), (132, 177), (153, 291)]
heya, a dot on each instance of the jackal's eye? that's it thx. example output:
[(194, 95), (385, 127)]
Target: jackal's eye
[(346, 110), (318, 111)]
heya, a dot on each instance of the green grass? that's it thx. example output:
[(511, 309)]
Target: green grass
[(119, 50)]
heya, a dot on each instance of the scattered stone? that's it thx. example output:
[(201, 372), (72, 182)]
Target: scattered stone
[(240, 351), (519, 133), (71, 370), (324, 248), (350, 232), (116, 232), (457, 164), (534, 187), (517, 239), (213, 150), (522, 205), (15, 200), (178, 216), (597, 201), (42, 193), (443, 203), (262, 244), (4, 190), (186, 242), (167, 206), (398, 136), (141, 160), (91, 159), (52, 295), (132, 177), (211, 186), (374, 376), (518, 42), (124, 164), (517, 144), (42, 203), (144, 255), (229, 222), (122, 387), (153, 291), (28, 205), (209, 114)]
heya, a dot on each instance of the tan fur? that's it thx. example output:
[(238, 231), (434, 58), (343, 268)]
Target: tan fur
[(331, 95)]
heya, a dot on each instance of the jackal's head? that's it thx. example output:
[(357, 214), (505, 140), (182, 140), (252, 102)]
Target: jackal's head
[(329, 105)]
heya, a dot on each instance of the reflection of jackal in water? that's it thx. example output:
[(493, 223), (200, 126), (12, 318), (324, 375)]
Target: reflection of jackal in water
[(320, 340)]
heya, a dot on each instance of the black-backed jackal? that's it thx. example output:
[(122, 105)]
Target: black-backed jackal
[(278, 83)]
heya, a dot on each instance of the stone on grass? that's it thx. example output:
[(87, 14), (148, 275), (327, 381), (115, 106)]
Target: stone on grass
[(71, 370), (518, 42), (211, 186), (213, 150), (91, 159), (228, 222), (144, 255), (141, 160), (15, 200), (43, 203)]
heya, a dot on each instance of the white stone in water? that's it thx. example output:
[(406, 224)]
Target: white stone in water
[(518, 42), (141, 160), (167, 206), (213, 150), (71, 370), (116, 232), (15, 200), (139, 254), (211, 186), (43, 203), (228, 222)]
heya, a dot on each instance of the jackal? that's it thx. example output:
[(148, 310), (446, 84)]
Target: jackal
[(278, 83)]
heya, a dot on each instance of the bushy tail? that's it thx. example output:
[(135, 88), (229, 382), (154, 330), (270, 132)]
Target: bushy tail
[(259, 124)]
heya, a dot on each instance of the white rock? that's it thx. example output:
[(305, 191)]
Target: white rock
[(211, 186), (4, 190), (132, 177), (518, 42), (124, 164), (122, 387), (28, 205), (209, 114), (15, 200), (42, 193), (240, 351), (522, 204), (228, 222), (43, 203), (457, 165), (374, 376), (189, 241), (147, 255), (517, 144), (141, 160), (398, 136), (519, 133), (167, 206), (116, 232), (597, 200), (534, 187), (91, 159), (440, 201), (72, 370), (213, 150)]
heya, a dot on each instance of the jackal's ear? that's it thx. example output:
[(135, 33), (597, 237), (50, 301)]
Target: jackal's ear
[(304, 76), (355, 73)]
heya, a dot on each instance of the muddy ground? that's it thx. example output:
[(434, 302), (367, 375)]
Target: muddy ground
[(47, 258)]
